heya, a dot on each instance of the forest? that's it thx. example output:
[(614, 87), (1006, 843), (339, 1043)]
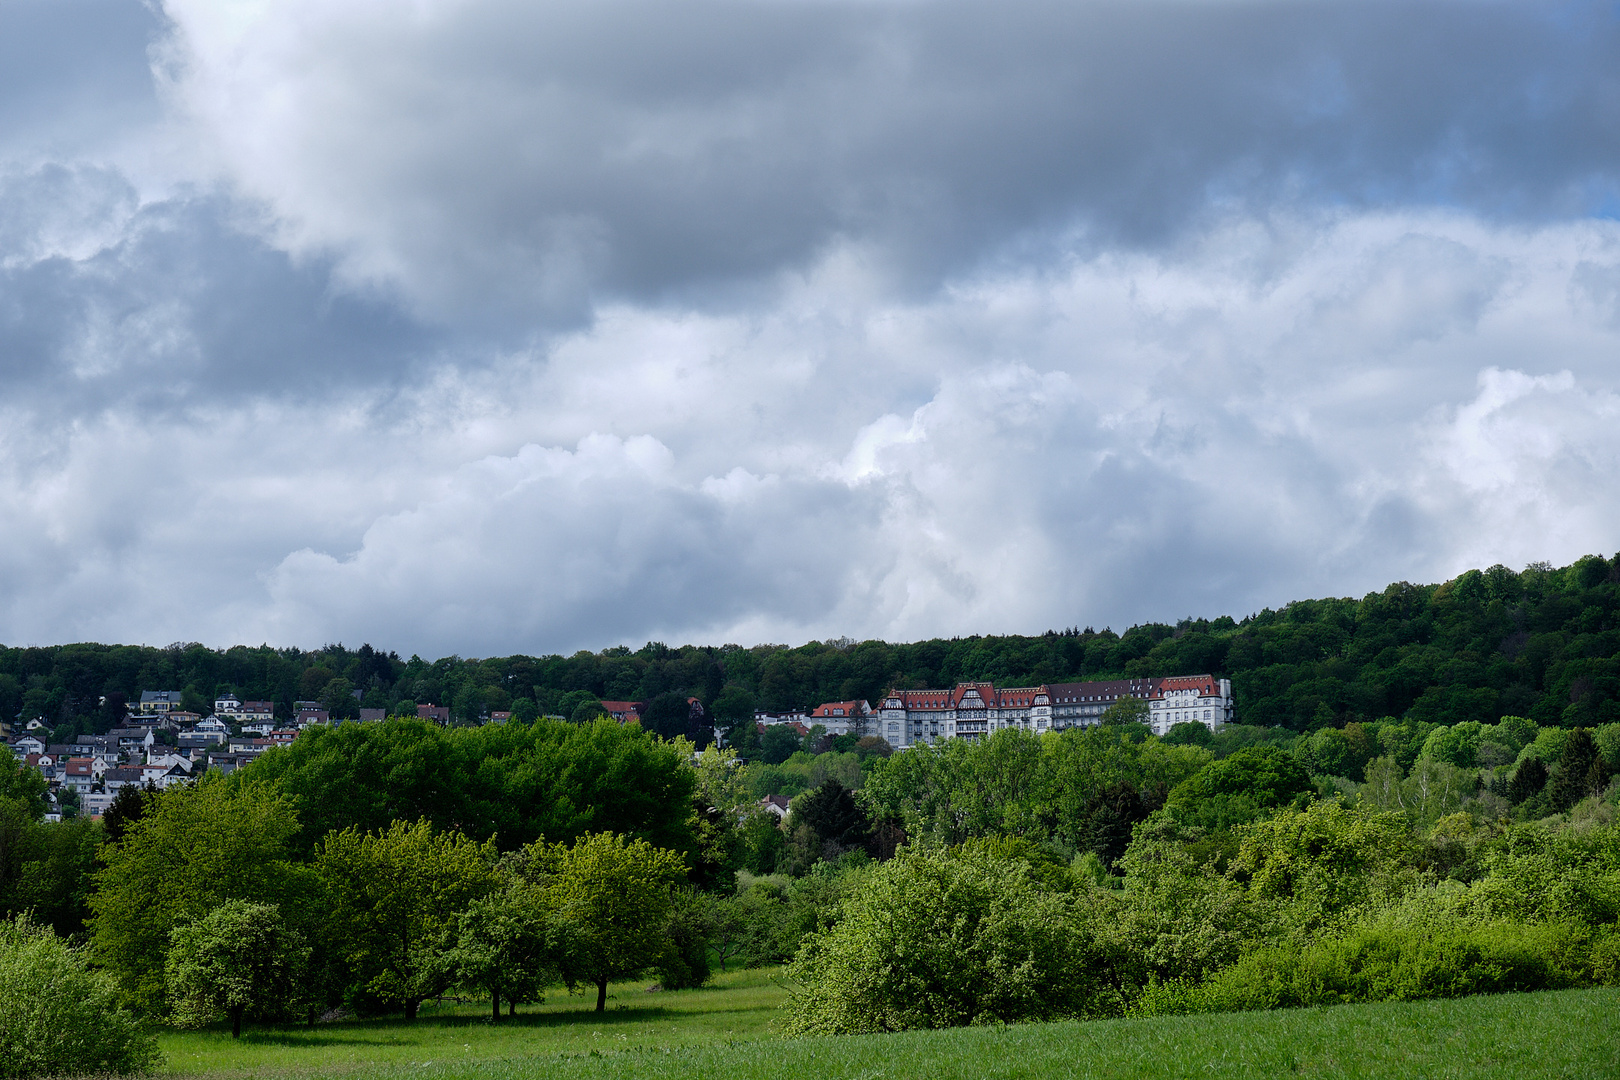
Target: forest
[(1331, 856), (1542, 643)]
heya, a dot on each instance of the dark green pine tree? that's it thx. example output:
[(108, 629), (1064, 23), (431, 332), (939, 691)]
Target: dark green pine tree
[(1580, 772)]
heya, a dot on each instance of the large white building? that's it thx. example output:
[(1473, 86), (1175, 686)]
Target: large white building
[(974, 710)]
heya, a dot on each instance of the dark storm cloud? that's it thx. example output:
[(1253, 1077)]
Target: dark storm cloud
[(173, 304), (511, 152)]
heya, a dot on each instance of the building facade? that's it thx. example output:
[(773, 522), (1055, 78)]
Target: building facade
[(974, 710)]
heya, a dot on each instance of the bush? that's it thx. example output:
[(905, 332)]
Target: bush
[(938, 939), (57, 1016)]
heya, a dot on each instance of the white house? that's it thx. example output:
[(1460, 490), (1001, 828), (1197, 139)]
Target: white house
[(974, 710)]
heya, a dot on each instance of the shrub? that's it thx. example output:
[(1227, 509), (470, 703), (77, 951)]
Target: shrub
[(57, 1016), (938, 939)]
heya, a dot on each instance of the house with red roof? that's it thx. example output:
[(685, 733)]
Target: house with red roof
[(840, 717)]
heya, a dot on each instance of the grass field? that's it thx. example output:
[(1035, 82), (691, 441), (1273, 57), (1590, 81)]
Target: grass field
[(724, 1033)]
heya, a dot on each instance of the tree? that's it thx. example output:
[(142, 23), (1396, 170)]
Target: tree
[(938, 938), (685, 962), (23, 783), (128, 807), (1239, 788), (58, 1017), (733, 712), (832, 813), (779, 743), (613, 894), (1529, 779), (237, 959), (396, 899), (1127, 710), (667, 715), (53, 872), (1581, 771), (506, 944), (195, 847)]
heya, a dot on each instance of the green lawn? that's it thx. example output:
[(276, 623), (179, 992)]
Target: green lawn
[(724, 1033), (738, 1006)]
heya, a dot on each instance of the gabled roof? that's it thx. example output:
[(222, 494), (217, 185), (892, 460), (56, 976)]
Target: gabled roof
[(1204, 684)]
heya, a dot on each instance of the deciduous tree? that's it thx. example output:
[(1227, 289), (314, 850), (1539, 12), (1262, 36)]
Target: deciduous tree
[(238, 959), (396, 899), (613, 893)]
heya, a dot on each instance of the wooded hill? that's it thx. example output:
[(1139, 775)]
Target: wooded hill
[(1543, 643)]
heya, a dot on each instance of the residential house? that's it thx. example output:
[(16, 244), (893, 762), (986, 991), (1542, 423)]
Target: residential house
[(228, 705), (841, 717), (95, 803), (306, 717), (229, 763), (623, 711), (258, 712), (285, 735), (115, 780), (28, 744), (439, 714), (369, 716), (161, 775), (159, 701), (200, 740), (79, 774), (133, 740), (245, 745), (778, 805)]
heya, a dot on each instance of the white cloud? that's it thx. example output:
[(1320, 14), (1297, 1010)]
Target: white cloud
[(1100, 440), (484, 326)]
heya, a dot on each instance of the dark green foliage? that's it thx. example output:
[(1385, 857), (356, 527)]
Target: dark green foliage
[(667, 715), (516, 782), (1581, 771), (1543, 643), (778, 743), (832, 813), (128, 807), (685, 963), (1240, 788)]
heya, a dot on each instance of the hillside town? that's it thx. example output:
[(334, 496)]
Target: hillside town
[(160, 743)]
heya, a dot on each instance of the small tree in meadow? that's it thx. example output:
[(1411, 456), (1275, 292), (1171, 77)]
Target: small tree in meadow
[(612, 894), (507, 945), (237, 959)]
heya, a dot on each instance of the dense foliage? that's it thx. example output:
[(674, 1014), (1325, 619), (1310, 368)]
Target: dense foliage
[(1542, 643), (57, 1016)]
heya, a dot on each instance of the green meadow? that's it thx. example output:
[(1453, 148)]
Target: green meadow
[(725, 1032)]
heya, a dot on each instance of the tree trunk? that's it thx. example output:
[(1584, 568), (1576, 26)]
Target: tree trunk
[(601, 995), (511, 1007), (410, 1008), (312, 1011), (495, 1005), (236, 1021)]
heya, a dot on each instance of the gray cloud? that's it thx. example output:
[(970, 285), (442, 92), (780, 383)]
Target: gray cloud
[(485, 327), (501, 157)]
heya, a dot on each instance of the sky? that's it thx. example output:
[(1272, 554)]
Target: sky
[(492, 326)]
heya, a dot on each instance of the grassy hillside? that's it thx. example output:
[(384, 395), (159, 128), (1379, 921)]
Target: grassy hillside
[(723, 1034)]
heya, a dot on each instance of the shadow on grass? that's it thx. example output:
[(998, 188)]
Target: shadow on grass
[(396, 1029)]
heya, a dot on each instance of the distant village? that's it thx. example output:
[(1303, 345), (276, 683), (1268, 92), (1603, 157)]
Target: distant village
[(161, 743)]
